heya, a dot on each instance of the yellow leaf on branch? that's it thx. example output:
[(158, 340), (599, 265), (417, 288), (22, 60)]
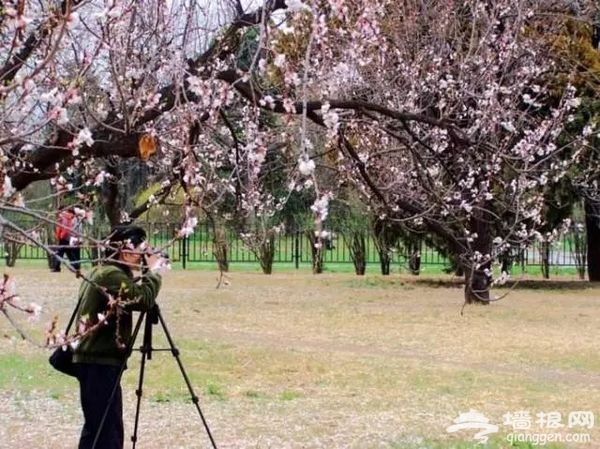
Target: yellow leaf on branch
[(146, 147)]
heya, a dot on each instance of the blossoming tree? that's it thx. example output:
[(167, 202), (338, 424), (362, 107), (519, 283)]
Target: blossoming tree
[(446, 114), (437, 111)]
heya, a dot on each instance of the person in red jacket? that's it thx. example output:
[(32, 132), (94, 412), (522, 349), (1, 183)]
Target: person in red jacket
[(67, 225)]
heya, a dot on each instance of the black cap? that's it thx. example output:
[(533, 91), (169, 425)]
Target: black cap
[(126, 234)]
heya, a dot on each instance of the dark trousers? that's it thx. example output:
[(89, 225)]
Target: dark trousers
[(73, 253), (96, 384)]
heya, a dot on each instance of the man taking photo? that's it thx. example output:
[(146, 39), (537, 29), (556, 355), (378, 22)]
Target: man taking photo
[(107, 300)]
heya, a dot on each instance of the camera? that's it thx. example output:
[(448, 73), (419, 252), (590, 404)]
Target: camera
[(161, 259), (162, 254)]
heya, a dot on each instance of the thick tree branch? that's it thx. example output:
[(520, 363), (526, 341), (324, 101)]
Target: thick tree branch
[(41, 163), (249, 92)]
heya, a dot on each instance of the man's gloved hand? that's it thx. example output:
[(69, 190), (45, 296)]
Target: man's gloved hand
[(156, 262)]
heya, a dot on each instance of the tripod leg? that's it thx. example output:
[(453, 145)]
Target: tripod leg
[(145, 350), (193, 395)]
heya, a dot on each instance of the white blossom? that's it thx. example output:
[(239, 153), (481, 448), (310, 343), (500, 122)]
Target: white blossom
[(321, 207), (295, 5), (84, 136), (188, 227), (279, 60), (7, 189), (35, 311), (509, 127), (306, 166)]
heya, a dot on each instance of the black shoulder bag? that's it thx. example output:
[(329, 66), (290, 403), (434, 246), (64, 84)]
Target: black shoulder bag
[(62, 357)]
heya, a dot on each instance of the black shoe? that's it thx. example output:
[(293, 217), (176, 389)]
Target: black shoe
[(54, 271)]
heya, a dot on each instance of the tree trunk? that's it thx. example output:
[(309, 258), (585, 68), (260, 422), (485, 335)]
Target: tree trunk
[(385, 239), (316, 251), (220, 246), (545, 253), (358, 251), (12, 250), (267, 254), (385, 261), (578, 247), (477, 277), (506, 259), (220, 249), (119, 192), (414, 262), (477, 287), (592, 226)]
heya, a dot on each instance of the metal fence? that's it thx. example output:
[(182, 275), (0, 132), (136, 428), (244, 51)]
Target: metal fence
[(295, 249)]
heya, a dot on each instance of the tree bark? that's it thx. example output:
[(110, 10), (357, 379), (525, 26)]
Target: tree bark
[(414, 261), (220, 247), (42, 163), (357, 245), (477, 280), (545, 252), (266, 254), (476, 288), (592, 226), (578, 247), (385, 238), (316, 251), (384, 261)]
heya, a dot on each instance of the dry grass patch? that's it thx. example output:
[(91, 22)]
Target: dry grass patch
[(332, 361)]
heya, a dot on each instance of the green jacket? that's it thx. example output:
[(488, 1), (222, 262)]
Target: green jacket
[(108, 344)]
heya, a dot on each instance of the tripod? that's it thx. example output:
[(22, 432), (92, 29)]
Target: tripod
[(153, 317)]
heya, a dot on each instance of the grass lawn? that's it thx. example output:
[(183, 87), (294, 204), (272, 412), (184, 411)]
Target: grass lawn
[(294, 360)]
